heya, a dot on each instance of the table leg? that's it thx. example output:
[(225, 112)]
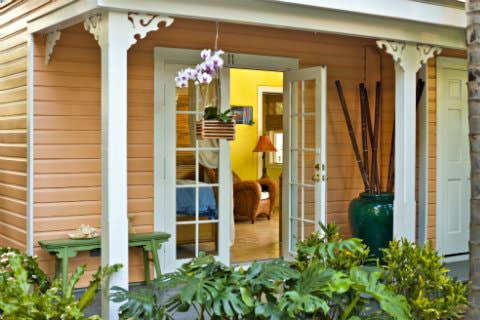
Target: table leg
[(146, 266), (58, 263), (155, 246), (64, 269)]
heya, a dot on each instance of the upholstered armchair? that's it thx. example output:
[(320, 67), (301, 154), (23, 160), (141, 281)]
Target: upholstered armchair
[(252, 198)]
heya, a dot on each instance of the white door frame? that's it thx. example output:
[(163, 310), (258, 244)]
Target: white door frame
[(261, 91), (443, 63), (163, 148)]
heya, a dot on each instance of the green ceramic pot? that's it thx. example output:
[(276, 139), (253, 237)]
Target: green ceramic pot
[(371, 219)]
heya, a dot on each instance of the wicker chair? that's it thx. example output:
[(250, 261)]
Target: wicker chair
[(247, 195)]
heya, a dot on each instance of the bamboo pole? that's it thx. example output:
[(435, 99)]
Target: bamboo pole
[(351, 133), (376, 133), (369, 118), (363, 114)]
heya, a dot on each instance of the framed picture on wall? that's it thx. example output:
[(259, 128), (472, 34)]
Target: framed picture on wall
[(242, 114)]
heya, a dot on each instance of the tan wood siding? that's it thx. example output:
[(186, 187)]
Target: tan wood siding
[(67, 147), (13, 121), (67, 120)]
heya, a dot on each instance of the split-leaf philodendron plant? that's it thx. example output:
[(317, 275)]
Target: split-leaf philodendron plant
[(331, 279)]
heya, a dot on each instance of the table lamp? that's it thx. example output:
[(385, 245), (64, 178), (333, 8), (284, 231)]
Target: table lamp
[(264, 144)]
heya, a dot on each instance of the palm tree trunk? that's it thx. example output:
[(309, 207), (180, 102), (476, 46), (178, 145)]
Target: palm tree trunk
[(473, 41)]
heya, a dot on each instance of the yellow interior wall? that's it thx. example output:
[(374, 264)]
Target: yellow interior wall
[(244, 92)]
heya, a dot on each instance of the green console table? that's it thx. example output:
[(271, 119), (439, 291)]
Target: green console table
[(65, 249)]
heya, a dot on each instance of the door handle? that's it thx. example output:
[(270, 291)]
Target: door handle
[(316, 177)]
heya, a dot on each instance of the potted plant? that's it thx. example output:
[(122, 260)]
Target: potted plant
[(371, 213), (215, 124)]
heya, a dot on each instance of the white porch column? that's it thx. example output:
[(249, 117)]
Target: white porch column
[(115, 32), (408, 59)]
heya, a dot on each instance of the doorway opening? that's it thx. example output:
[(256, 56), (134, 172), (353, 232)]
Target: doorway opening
[(256, 155), (194, 185)]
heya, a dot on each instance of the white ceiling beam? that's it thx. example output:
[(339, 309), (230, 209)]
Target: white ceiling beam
[(63, 17), (404, 10), (299, 17)]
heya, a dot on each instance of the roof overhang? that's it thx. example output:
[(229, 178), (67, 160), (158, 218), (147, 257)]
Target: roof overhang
[(441, 12), (282, 14)]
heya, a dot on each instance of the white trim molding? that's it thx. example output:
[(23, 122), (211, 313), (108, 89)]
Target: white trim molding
[(304, 17), (307, 15), (30, 145), (50, 42), (408, 58), (417, 10), (260, 91)]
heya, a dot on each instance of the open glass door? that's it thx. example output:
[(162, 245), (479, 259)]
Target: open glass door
[(193, 188), (304, 172)]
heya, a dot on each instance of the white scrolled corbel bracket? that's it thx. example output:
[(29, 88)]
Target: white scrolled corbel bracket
[(393, 48), (426, 52), (144, 23), (398, 51), (94, 26), (138, 24), (52, 38)]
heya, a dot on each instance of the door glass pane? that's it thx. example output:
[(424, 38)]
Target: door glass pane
[(309, 93), (208, 238), (304, 174), (185, 240), (185, 124), (197, 165)]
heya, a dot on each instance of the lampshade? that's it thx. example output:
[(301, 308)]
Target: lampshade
[(264, 145)]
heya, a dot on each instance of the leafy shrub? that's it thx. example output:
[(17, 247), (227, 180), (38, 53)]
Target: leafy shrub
[(35, 275), (331, 279), (327, 282), (419, 274), (329, 248), (26, 292)]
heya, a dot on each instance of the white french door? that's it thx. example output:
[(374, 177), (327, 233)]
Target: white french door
[(304, 172), (192, 177)]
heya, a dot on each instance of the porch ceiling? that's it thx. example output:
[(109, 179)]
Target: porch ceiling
[(270, 13)]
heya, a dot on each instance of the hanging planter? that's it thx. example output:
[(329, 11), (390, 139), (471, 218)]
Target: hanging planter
[(215, 129), (214, 125)]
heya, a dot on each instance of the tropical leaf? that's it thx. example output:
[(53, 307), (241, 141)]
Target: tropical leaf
[(368, 283)]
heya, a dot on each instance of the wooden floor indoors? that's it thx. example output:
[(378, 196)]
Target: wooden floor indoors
[(258, 241)]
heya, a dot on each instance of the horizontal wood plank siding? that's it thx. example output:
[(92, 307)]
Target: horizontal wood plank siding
[(67, 147), (67, 122), (13, 126)]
